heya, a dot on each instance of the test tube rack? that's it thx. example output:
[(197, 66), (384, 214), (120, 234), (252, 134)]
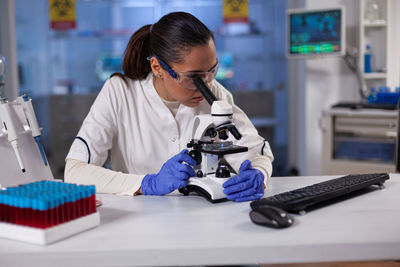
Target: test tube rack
[(44, 212)]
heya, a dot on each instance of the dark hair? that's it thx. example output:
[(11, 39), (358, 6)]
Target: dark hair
[(170, 39)]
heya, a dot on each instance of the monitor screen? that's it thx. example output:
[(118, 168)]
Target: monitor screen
[(315, 32)]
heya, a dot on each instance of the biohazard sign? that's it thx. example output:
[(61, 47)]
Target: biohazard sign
[(236, 11), (62, 14)]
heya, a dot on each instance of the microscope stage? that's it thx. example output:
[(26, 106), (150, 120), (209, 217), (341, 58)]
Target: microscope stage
[(221, 149)]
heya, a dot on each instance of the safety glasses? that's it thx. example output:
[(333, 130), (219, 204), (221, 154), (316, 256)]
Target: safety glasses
[(185, 78)]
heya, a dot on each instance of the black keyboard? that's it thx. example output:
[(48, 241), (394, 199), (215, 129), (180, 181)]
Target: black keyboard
[(359, 105), (299, 200)]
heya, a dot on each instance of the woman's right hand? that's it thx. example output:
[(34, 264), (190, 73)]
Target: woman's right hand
[(173, 175)]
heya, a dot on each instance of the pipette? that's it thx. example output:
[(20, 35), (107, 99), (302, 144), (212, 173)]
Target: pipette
[(10, 127), (5, 116), (26, 103), (2, 71)]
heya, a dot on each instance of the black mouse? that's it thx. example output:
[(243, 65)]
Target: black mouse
[(271, 216)]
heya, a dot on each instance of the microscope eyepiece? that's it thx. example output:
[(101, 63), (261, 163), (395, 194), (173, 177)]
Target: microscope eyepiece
[(204, 90), (220, 109)]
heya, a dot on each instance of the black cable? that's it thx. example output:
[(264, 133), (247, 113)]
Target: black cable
[(351, 61)]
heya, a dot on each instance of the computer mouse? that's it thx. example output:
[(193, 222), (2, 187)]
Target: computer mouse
[(271, 216)]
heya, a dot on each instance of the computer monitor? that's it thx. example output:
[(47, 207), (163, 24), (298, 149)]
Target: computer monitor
[(315, 32)]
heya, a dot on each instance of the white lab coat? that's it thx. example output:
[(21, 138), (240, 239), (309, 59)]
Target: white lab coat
[(141, 132)]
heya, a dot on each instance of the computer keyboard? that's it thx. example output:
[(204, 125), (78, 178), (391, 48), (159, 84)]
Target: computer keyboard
[(358, 105), (299, 200)]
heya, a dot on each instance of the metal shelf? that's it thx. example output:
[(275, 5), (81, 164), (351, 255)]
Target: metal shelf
[(375, 75), (375, 24)]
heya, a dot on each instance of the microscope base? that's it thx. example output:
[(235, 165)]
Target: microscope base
[(209, 187)]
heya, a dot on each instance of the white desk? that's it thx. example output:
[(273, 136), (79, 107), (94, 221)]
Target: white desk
[(178, 230)]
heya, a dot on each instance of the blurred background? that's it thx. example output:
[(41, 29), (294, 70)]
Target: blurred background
[(64, 69), (62, 65)]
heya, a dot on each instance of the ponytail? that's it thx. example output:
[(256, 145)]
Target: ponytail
[(135, 64)]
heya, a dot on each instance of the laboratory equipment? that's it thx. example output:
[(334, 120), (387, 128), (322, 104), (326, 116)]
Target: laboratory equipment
[(373, 12), (26, 103), (226, 69), (46, 211), (11, 128), (107, 64), (6, 118), (397, 157), (18, 120), (23, 160), (210, 171), (2, 71), (312, 32), (368, 59), (358, 139)]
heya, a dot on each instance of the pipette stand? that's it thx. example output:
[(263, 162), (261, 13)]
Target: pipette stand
[(35, 169)]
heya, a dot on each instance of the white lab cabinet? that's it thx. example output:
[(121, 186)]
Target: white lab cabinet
[(358, 141), (379, 29)]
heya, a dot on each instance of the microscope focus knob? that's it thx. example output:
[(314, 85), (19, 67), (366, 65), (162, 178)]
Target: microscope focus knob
[(196, 155), (223, 134), (211, 132), (222, 172)]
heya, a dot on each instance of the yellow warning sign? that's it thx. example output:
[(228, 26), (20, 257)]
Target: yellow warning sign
[(236, 11), (62, 14)]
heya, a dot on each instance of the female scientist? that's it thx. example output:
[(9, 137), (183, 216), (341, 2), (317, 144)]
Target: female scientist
[(144, 117)]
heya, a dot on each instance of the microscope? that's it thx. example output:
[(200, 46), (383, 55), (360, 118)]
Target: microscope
[(208, 146)]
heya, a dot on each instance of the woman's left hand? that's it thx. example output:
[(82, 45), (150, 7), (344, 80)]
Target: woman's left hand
[(247, 185)]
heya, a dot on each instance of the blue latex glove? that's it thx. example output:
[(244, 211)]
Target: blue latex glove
[(173, 175), (247, 185)]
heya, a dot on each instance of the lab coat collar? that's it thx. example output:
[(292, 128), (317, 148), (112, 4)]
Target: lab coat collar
[(152, 94)]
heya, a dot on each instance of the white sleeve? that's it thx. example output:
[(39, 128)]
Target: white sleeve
[(259, 151), (105, 180), (95, 136)]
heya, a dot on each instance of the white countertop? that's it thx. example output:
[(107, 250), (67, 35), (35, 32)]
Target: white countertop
[(188, 230)]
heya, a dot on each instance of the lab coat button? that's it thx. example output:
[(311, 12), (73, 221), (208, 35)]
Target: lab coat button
[(173, 139)]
